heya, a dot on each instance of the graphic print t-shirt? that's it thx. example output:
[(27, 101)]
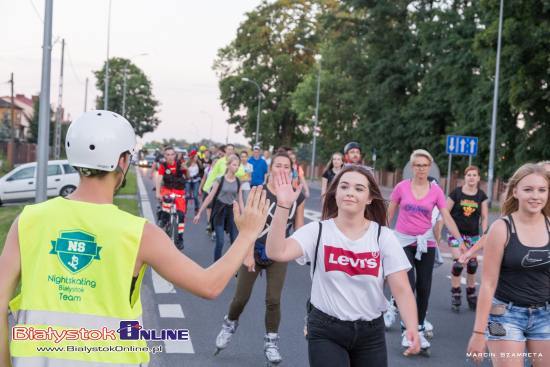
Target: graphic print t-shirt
[(262, 237), (349, 279), (466, 211), (415, 216)]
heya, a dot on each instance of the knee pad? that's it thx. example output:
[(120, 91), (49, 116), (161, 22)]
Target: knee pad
[(471, 267), (457, 268)]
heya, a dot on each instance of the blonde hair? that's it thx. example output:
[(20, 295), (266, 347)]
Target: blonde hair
[(511, 204), (543, 164), (421, 153), (230, 159)]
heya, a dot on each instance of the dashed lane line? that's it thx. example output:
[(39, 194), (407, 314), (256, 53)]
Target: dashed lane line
[(171, 310)]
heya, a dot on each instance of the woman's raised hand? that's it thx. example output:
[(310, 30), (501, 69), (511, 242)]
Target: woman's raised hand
[(252, 220), (286, 195)]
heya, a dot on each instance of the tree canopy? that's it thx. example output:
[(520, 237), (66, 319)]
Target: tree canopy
[(395, 76), (141, 105)]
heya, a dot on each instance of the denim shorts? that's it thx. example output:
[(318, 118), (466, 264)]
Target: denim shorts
[(522, 323)]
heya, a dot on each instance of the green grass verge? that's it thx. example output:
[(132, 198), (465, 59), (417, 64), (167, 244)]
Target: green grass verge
[(131, 184), (128, 205), (7, 215)]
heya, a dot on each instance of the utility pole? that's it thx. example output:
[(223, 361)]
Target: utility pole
[(313, 153), (57, 145), (44, 113), (490, 174), (86, 96), (12, 127)]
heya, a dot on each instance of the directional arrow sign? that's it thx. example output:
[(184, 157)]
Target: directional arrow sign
[(462, 145)]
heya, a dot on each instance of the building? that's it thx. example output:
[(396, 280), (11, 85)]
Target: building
[(23, 122), (6, 124)]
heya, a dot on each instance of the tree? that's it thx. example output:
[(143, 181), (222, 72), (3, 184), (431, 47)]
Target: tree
[(141, 106), (339, 101), (33, 128), (523, 124), (264, 51)]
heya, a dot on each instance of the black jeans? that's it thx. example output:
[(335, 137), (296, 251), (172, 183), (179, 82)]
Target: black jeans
[(333, 342), (421, 282)]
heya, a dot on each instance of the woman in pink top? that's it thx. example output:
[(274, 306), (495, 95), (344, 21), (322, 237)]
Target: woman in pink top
[(416, 199)]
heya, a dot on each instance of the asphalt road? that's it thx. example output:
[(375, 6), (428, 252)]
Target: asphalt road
[(203, 318)]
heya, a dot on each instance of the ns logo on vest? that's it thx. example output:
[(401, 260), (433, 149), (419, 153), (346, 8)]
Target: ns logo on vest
[(75, 249)]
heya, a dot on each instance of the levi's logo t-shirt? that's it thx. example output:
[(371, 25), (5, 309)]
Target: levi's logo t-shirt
[(351, 263), (349, 279)]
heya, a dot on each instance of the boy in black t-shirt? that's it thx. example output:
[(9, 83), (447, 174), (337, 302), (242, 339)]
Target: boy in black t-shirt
[(468, 207)]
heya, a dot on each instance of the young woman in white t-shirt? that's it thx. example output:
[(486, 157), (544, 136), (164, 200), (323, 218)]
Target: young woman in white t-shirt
[(345, 324)]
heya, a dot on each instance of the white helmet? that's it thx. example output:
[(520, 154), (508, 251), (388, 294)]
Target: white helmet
[(96, 140)]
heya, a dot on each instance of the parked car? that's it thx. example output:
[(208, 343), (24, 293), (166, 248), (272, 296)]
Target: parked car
[(147, 161), (20, 183)]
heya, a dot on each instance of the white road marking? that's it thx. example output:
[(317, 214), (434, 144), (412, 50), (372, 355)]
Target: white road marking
[(171, 311), (161, 285), (179, 346), (144, 198), (312, 214)]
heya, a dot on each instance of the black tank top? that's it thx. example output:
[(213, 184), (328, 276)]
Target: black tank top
[(525, 271)]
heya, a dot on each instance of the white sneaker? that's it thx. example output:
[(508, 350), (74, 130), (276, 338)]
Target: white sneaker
[(271, 348), (228, 329), (390, 315), (424, 343)]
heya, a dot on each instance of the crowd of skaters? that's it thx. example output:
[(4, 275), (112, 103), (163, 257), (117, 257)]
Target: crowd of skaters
[(352, 252), (406, 254)]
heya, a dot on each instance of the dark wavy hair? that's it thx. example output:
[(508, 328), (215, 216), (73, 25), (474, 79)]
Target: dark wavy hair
[(375, 211)]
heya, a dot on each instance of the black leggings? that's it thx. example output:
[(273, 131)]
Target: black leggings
[(422, 282)]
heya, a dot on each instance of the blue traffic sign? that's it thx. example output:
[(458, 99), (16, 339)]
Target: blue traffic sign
[(461, 145)]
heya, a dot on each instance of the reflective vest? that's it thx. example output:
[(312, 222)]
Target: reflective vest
[(171, 179), (77, 264)]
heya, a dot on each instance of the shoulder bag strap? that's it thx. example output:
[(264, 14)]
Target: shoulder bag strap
[(317, 248)]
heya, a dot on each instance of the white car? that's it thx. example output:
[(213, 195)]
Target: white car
[(20, 183)]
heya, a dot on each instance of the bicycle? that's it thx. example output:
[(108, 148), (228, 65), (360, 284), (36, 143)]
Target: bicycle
[(170, 227)]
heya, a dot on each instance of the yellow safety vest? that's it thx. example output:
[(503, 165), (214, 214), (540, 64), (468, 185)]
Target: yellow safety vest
[(77, 264)]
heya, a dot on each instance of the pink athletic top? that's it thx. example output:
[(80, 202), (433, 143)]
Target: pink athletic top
[(415, 216)]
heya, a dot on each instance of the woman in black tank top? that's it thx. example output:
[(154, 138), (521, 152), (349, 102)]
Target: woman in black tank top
[(516, 273)]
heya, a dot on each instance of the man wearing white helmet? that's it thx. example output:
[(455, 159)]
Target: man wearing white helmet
[(81, 260)]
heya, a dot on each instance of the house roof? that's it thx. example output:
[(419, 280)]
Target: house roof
[(5, 104), (22, 98)]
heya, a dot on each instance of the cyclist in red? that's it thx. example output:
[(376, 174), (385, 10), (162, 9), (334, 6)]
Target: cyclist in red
[(172, 174)]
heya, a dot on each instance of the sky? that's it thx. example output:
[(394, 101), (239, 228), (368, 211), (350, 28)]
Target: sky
[(180, 37)]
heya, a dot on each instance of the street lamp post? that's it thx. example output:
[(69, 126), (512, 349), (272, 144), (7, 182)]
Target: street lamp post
[(124, 82), (106, 81), (490, 174), (316, 122), (44, 112), (259, 106)]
